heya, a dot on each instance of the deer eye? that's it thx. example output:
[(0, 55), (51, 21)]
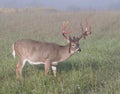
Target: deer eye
[(73, 45)]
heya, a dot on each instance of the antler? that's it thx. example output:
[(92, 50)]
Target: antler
[(85, 32), (64, 32)]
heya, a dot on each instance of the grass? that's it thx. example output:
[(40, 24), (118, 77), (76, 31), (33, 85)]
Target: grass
[(95, 70)]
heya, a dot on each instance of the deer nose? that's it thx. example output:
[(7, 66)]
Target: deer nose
[(79, 50)]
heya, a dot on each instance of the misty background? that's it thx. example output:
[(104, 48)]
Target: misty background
[(63, 4)]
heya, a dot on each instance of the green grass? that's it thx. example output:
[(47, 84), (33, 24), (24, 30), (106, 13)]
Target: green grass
[(95, 70)]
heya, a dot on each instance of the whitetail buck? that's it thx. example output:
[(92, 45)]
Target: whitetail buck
[(49, 54)]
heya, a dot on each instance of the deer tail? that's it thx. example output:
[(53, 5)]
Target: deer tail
[(13, 51)]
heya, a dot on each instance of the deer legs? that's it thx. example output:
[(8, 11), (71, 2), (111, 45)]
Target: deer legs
[(47, 68), (54, 70), (19, 68)]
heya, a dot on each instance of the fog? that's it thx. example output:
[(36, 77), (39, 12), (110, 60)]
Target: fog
[(63, 4)]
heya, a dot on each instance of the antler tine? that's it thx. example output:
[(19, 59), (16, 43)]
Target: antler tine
[(64, 26), (82, 35), (86, 32), (88, 29), (82, 28)]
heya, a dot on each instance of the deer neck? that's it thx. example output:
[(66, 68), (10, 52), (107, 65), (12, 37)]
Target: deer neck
[(65, 53)]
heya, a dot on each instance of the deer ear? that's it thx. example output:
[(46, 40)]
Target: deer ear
[(69, 39)]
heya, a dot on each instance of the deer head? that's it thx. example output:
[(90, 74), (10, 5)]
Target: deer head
[(74, 41)]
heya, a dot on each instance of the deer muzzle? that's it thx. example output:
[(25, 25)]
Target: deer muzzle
[(78, 50)]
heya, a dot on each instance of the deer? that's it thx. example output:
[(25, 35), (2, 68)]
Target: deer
[(49, 54)]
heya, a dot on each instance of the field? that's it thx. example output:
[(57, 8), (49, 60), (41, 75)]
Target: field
[(95, 70)]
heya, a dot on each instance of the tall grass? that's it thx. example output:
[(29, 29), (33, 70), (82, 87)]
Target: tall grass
[(96, 70)]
